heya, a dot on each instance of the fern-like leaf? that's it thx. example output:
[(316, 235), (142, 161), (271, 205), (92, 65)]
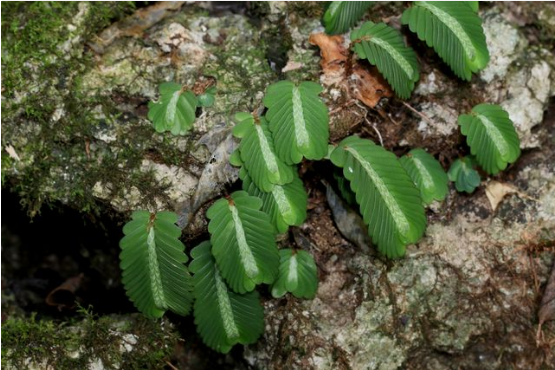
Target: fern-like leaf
[(223, 318), (389, 201), (175, 111), (427, 174), (492, 137), (258, 154), (152, 260), (463, 174), (474, 5), (455, 32), (342, 15), (297, 274), (243, 241), (285, 204), (383, 46), (298, 121)]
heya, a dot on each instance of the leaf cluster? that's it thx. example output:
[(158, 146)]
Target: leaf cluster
[(391, 192), (453, 29), (493, 142)]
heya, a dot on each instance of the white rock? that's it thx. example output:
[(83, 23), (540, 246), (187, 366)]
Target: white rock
[(504, 44)]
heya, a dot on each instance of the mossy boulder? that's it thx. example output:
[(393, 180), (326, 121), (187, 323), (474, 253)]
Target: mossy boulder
[(109, 342), (74, 120)]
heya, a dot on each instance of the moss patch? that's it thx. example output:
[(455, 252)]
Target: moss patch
[(131, 342), (49, 120), (33, 31)]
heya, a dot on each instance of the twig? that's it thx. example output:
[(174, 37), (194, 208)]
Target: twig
[(171, 366), (389, 117), (375, 129), (343, 106), (534, 274), (422, 115)]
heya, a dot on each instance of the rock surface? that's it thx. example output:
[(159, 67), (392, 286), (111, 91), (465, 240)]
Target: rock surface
[(465, 297)]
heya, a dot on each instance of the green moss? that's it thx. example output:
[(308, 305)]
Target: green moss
[(48, 344), (41, 80), (33, 31), (38, 78)]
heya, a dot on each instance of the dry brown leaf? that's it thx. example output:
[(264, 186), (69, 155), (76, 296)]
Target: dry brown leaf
[(366, 85), (64, 295), (496, 191), (291, 66), (334, 55)]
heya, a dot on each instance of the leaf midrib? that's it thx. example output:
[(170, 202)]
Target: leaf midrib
[(292, 274), (267, 153), (454, 25), (399, 218), (154, 269), (283, 204), (245, 254), (224, 305), (397, 57), (301, 134), (427, 178), (495, 135), (172, 107)]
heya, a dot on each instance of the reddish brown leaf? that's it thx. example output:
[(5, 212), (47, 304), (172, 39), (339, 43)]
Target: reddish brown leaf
[(64, 295), (334, 55), (368, 86), (364, 84)]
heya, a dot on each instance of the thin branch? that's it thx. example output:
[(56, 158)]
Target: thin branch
[(171, 365), (422, 115), (373, 125)]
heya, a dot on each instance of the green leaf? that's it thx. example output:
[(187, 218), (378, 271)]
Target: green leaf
[(243, 241), (235, 158), (342, 15), (463, 174), (455, 32), (389, 201), (427, 174), (258, 154), (474, 5), (383, 46), (285, 204), (298, 120), (244, 123), (152, 260), (223, 318), (175, 111), (207, 99), (492, 137), (297, 274), (344, 188)]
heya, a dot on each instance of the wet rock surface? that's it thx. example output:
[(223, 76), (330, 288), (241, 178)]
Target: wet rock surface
[(466, 296)]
